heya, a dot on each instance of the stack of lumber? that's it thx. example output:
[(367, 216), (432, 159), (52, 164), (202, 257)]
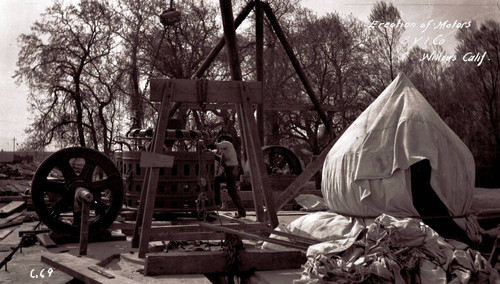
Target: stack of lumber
[(18, 170)]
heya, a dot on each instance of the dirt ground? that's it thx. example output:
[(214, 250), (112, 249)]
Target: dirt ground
[(26, 266)]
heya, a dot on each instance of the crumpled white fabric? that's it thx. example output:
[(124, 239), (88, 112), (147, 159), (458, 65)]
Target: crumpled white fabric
[(366, 173), (324, 227), (397, 250), (311, 202)]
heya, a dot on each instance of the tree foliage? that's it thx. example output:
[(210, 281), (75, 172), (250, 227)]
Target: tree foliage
[(385, 45), (88, 67)]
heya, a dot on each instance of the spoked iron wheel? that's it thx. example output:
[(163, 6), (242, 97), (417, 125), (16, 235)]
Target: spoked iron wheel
[(57, 178), (279, 159)]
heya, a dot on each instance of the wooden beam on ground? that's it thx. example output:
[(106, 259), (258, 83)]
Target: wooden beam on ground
[(12, 207), (77, 267), (294, 188), (13, 198), (250, 236), (45, 240), (215, 261), (12, 220), (267, 230), (197, 232), (5, 232)]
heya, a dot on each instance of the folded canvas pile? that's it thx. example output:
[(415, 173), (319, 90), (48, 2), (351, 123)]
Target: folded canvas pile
[(388, 250)]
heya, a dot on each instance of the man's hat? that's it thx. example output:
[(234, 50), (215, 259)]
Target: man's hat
[(225, 137)]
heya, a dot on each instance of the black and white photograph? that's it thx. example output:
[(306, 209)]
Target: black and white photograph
[(250, 141)]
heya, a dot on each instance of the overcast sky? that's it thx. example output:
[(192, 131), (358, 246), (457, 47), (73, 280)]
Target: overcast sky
[(16, 17)]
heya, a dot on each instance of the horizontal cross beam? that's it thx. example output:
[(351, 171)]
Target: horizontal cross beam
[(205, 91)]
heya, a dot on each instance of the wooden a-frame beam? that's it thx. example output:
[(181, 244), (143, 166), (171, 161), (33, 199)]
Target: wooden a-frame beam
[(258, 174)]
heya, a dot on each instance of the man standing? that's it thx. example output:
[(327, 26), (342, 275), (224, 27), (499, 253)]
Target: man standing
[(229, 161)]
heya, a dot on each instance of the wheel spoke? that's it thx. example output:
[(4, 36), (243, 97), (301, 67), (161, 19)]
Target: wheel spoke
[(99, 207), (271, 159), (67, 170), (56, 180), (59, 207), (281, 163), (55, 186), (88, 170), (101, 185)]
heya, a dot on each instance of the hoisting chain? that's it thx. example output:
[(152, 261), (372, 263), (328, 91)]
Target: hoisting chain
[(232, 246), (202, 199)]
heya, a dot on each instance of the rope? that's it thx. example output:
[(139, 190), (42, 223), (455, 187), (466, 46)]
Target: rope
[(411, 216), (155, 57), (202, 93)]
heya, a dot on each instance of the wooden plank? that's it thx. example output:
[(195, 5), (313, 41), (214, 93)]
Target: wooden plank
[(269, 231), (84, 227), (259, 177), (101, 271), (293, 189), (13, 220), (197, 232), (259, 63), (11, 207), (20, 188), (140, 212), (285, 276), (151, 183), (250, 236), (12, 198), (186, 91), (77, 267), (154, 160), (5, 232), (45, 240), (215, 261), (298, 107), (220, 44), (267, 108)]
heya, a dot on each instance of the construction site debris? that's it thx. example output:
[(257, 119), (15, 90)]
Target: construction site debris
[(311, 202), (18, 170), (11, 207), (396, 250)]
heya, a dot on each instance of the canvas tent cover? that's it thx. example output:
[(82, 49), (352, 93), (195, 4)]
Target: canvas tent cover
[(367, 172)]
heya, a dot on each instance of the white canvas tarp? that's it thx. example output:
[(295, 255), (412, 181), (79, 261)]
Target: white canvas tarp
[(367, 172)]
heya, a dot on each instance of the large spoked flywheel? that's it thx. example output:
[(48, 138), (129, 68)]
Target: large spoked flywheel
[(57, 178), (279, 159)]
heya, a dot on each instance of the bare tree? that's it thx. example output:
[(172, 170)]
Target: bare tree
[(386, 26), (482, 77), (54, 62)]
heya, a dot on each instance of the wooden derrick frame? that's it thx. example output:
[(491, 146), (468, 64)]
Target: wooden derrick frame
[(243, 95)]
